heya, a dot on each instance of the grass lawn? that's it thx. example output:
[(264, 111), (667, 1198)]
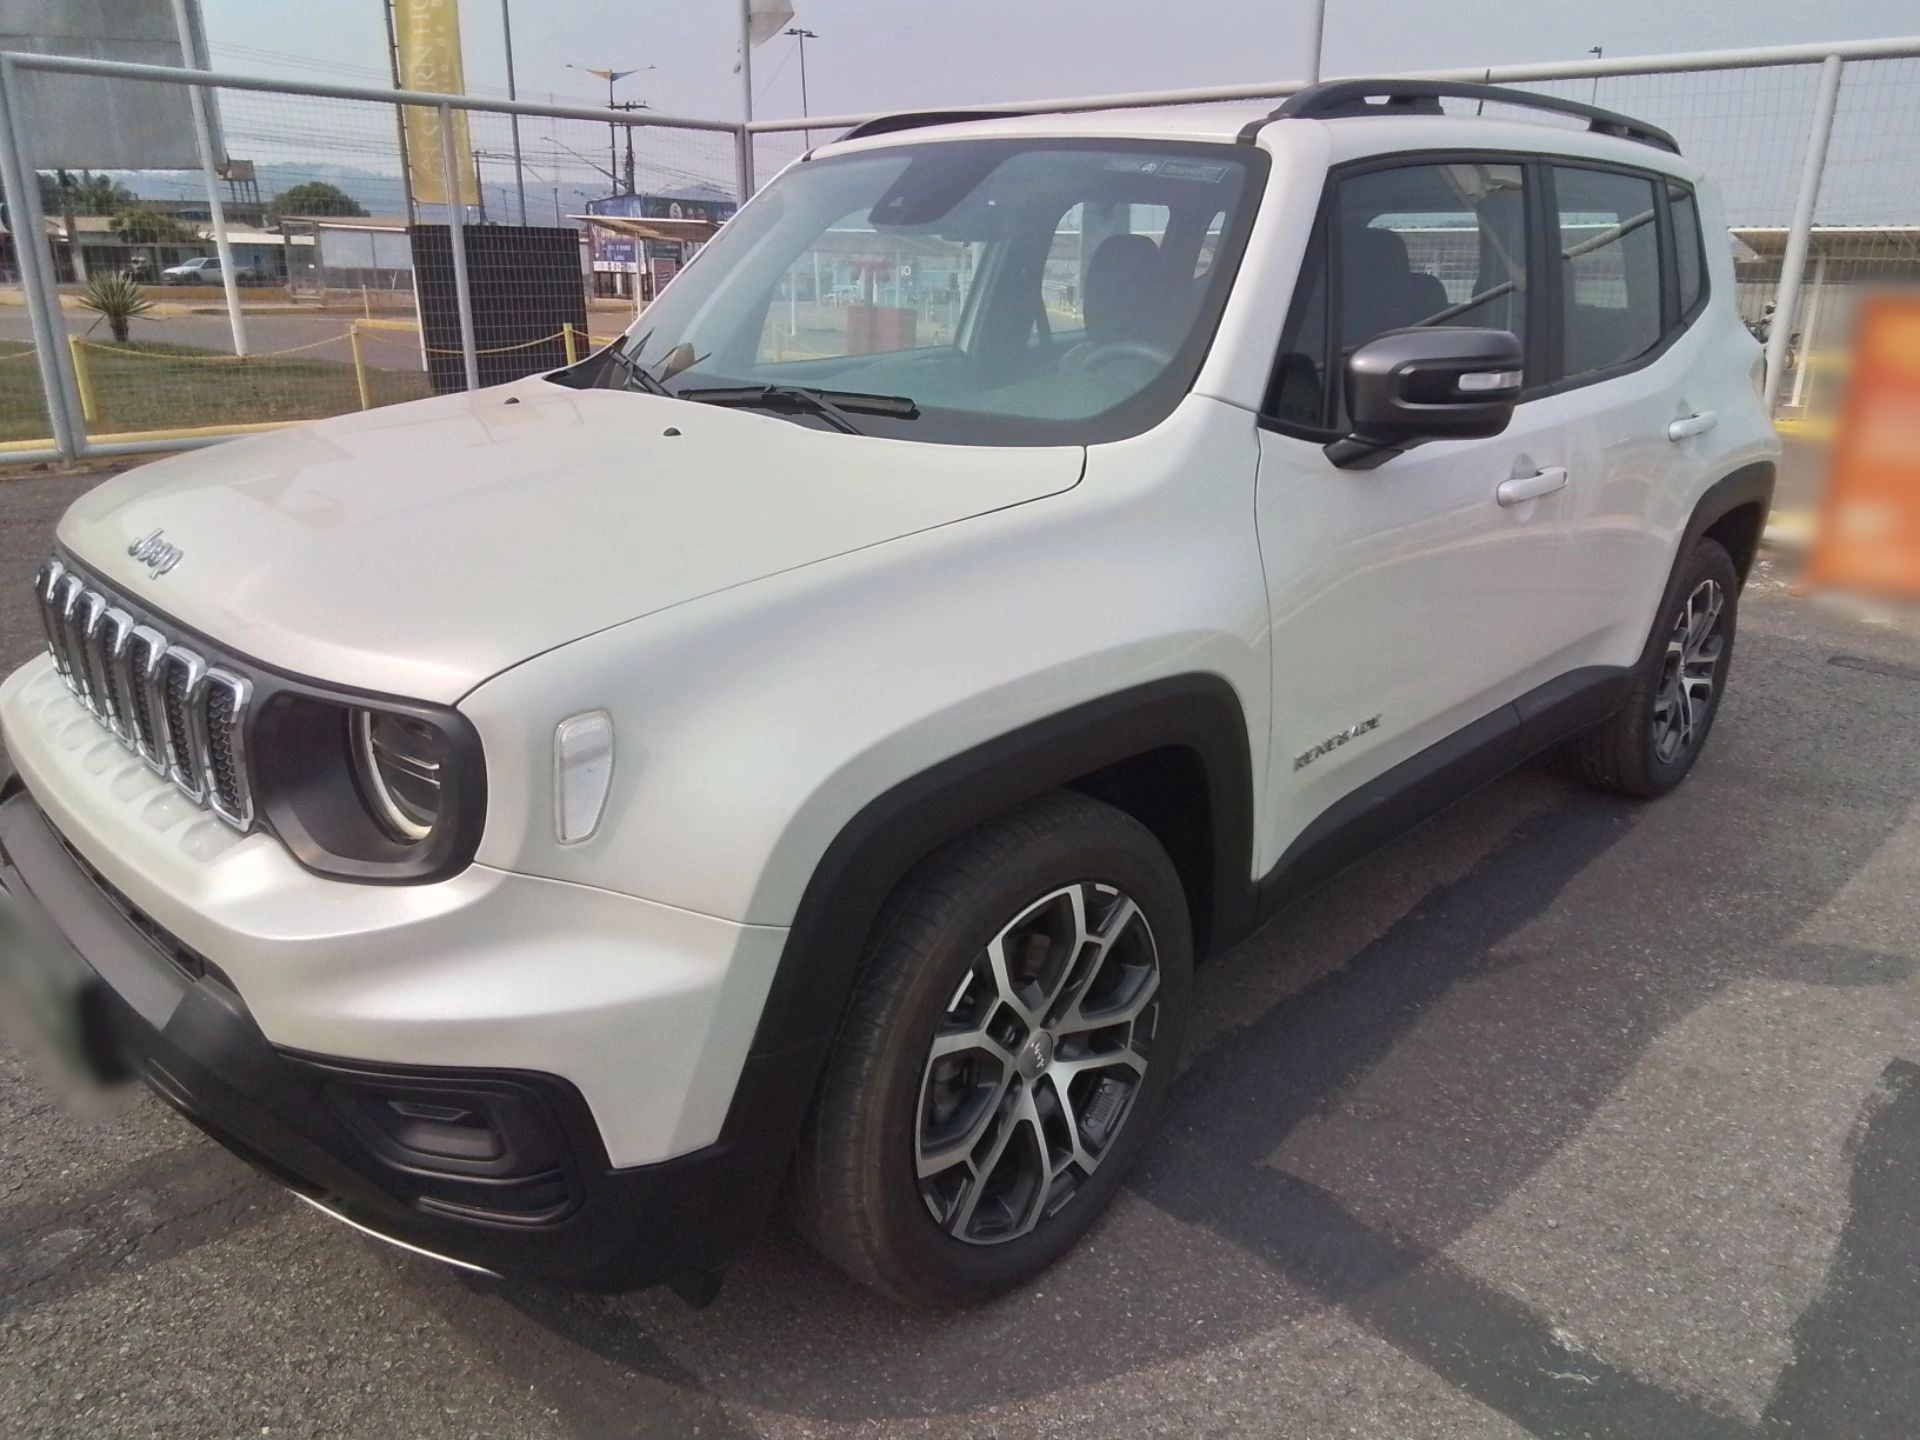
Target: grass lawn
[(148, 386)]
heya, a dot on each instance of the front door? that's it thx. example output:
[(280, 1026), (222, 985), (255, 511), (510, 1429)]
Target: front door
[(1412, 600)]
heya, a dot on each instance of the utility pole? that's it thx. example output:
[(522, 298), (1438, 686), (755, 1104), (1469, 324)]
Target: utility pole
[(631, 105), (74, 258), (519, 178), (802, 35), (613, 135)]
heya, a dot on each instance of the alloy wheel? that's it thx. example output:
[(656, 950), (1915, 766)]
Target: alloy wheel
[(1684, 700), (1036, 1063)]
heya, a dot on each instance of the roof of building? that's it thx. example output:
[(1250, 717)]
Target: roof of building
[(673, 231), (1856, 242)]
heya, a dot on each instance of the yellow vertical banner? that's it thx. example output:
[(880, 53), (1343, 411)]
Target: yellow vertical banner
[(427, 33)]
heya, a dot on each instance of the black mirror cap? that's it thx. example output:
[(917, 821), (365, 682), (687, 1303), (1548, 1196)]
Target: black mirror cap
[(1408, 386)]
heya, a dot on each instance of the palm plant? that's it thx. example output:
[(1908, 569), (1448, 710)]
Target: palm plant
[(115, 298)]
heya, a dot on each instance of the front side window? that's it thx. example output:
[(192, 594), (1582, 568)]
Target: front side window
[(1432, 244), (1014, 291), (1609, 242)]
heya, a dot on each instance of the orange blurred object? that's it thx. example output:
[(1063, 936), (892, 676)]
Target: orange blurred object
[(1869, 534)]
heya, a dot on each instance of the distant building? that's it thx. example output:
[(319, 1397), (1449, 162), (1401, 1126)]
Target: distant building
[(638, 242)]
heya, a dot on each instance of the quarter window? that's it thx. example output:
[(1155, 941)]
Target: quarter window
[(1609, 241), (1688, 253)]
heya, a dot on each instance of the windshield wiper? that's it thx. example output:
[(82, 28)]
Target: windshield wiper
[(637, 376), (830, 405)]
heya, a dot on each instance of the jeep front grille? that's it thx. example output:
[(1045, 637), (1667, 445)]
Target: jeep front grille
[(184, 717)]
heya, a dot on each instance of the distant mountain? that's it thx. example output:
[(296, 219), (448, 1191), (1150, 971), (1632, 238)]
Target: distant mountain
[(382, 194)]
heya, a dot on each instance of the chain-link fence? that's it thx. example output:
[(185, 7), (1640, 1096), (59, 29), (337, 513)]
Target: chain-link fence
[(344, 286), (346, 279)]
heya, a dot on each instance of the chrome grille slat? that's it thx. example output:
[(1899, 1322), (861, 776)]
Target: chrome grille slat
[(183, 716), (110, 649), (222, 722), (183, 678), (146, 648), (66, 603), (87, 612), (46, 587)]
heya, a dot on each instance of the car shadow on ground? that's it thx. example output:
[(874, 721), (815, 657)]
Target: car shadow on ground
[(1513, 999)]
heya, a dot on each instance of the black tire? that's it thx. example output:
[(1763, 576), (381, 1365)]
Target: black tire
[(860, 1194), (1642, 751)]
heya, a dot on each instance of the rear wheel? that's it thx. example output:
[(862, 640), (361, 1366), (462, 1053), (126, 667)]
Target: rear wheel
[(1648, 747), (1016, 1027)]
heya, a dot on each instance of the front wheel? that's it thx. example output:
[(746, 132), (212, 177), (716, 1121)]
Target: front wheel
[(1017, 1024), (1648, 747)]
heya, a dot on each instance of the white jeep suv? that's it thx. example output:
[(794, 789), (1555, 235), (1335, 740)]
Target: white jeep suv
[(812, 740)]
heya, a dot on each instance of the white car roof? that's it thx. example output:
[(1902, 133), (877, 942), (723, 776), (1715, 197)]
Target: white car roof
[(1349, 137)]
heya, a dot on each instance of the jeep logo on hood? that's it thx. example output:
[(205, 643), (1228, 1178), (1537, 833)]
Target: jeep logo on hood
[(157, 554)]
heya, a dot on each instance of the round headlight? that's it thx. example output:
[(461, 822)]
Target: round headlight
[(400, 761)]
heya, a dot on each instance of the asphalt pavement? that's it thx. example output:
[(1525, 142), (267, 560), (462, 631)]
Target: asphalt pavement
[(1562, 1116)]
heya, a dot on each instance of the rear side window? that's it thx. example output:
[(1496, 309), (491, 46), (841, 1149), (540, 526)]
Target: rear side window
[(1688, 253), (1426, 244), (1609, 239)]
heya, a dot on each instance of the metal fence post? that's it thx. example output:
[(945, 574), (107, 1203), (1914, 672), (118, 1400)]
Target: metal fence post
[(1316, 38), (38, 279), (457, 240), (744, 164), (203, 142), (746, 100), (83, 378), (1787, 298)]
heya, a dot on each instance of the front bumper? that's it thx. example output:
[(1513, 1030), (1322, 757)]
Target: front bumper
[(579, 1104), (521, 1186)]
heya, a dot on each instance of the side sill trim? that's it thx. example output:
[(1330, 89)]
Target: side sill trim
[(1446, 772)]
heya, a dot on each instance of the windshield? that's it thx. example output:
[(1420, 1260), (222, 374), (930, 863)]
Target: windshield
[(1014, 291)]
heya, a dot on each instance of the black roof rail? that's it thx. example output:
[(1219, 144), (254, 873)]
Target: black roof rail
[(1339, 99), (915, 119)]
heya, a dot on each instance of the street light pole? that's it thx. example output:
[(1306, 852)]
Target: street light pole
[(803, 35), (746, 100)]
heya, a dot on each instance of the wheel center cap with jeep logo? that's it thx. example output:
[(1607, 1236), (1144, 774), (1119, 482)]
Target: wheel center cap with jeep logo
[(1036, 1055)]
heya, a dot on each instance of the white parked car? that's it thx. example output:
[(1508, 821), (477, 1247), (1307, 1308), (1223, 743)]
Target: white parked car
[(201, 270), (539, 825)]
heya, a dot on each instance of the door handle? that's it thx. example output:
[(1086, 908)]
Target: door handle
[(1697, 423), (1530, 487)]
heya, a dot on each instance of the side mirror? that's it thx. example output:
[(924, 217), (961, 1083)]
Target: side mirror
[(1408, 386)]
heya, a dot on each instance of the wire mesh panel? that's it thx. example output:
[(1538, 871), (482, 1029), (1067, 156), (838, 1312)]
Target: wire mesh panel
[(574, 224), (1865, 239)]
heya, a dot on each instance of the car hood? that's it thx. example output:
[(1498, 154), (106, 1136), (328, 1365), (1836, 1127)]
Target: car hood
[(418, 550)]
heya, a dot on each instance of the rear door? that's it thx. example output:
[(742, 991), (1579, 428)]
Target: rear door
[(1644, 387), (1408, 602)]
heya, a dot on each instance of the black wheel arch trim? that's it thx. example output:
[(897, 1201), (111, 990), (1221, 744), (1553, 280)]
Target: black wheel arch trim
[(893, 832), (1751, 484)]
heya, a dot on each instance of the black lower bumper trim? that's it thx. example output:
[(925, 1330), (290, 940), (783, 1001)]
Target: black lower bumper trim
[(501, 1169)]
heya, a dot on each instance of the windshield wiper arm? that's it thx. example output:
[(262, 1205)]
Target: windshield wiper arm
[(830, 405), (637, 376)]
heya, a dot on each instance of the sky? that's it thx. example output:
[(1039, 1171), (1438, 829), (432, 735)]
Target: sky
[(908, 54), (885, 54)]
